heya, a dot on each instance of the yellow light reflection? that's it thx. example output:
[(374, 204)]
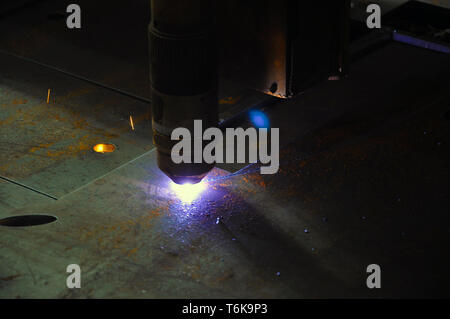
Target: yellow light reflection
[(104, 148)]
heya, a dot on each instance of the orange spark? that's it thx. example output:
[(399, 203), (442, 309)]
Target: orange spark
[(131, 122)]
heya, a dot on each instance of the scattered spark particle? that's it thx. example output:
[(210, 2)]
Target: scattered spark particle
[(48, 96), (131, 123)]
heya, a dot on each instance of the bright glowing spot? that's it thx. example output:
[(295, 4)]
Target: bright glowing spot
[(188, 192), (259, 119), (104, 148)]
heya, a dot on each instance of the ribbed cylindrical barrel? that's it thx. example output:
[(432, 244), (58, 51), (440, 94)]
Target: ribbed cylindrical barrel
[(183, 77)]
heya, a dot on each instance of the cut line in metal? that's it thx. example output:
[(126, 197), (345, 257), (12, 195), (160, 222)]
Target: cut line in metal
[(28, 187)]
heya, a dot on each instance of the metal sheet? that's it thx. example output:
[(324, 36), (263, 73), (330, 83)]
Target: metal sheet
[(110, 49)]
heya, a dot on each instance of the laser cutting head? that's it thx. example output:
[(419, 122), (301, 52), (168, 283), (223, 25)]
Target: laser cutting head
[(183, 78), (164, 119)]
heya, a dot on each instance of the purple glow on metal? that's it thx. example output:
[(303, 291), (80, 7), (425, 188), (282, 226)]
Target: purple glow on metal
[(399, 37), (187, 193)]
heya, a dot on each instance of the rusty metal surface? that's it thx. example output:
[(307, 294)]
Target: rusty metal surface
[(367, 184), (14, 196), (145, 243), (41, 142), (110, 49)]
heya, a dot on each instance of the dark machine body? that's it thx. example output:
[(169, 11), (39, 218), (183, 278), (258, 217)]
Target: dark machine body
[(280, 48)]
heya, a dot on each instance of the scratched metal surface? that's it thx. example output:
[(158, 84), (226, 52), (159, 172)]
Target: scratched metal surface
[(145, 243), (40, 143), (367, 184)]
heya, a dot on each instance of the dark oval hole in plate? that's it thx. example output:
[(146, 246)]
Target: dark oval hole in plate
[(27, 220)]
